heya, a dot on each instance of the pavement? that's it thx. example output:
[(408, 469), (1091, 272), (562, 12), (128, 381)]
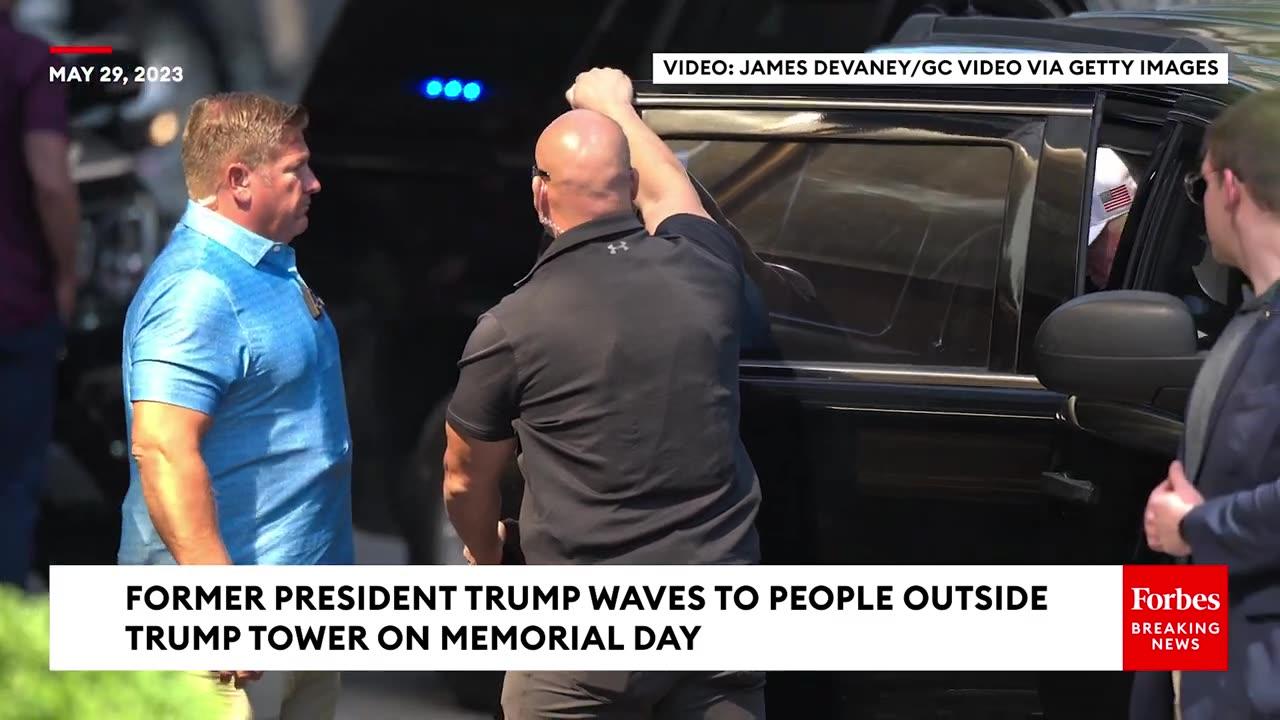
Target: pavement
[(373, 695), (380, 695), (398, 696), (395, 695)]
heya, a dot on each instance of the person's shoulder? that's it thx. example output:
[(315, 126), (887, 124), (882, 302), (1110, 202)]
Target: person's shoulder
[(182, 278), (517, 304), (189, 249), (1259, 367), (703, 231), (1268, 332), (29, 55), (33, 44), (688, 224), (23, 42), (489, 324)]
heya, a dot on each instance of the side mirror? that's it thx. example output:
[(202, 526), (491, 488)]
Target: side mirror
[(1125, 346)]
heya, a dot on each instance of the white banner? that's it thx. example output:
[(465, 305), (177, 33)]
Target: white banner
[(575, 617), (939, 68)]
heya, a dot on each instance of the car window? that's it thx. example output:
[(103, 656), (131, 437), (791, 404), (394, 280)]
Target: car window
[(1112, 191), (896, 245)]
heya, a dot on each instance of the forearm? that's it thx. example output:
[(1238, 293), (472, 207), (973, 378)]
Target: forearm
[(474, 507), (1241, 530), (59, 213), (179, 497)]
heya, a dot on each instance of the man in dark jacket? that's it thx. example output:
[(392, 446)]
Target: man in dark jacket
[(1220, 504)]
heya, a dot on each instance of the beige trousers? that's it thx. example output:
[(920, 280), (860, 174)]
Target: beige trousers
[(281, 695), (1177, 695)]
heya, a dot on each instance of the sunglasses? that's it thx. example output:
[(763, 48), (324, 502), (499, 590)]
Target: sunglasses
[(1194, 185), (539, 172)]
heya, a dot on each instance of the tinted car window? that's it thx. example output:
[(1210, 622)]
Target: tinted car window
[(898, 242)]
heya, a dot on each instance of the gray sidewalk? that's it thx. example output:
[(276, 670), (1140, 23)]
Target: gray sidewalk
[(394, 695)]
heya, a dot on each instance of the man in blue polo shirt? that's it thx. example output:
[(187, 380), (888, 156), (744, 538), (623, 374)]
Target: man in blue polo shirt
[(233, 385)]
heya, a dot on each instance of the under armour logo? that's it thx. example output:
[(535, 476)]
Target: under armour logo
[(614, 247)]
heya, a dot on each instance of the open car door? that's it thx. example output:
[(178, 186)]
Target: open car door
[(907, 242)]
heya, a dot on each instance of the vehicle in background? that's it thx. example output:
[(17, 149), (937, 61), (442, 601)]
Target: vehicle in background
[(914, 240)]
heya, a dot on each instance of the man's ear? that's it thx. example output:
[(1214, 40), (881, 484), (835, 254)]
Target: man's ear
[(238, 180), (1232, 190), (635, 185), (540, 200)]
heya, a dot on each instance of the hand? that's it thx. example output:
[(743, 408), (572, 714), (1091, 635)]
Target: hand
[(1182, 486), (1168, 503), (239, 678), (601, 89), (490, 556), (64, 292)]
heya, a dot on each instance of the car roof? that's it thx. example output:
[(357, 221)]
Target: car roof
[(1249, 33)]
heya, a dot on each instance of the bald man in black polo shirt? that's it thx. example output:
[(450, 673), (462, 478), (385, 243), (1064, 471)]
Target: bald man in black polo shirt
[(615, 364)]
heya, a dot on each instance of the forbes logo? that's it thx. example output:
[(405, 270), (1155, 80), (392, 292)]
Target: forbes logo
[(1175, 617), (1145, 599)]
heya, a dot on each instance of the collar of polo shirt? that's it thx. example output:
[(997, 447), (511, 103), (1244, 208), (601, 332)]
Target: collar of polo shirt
[(249, 245), (590, 231)]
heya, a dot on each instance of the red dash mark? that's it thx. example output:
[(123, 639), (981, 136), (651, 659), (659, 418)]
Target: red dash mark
[(80, 50)]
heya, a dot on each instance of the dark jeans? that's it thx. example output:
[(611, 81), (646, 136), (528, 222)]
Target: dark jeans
[(607, 695), (28, 389)]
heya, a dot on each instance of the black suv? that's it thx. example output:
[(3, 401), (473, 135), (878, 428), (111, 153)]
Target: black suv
[(911, 242)]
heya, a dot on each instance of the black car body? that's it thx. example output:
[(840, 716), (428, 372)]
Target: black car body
[(914, 239), (931, 231)]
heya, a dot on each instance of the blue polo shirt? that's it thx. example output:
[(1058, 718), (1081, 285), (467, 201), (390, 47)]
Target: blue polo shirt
[(221, 325)]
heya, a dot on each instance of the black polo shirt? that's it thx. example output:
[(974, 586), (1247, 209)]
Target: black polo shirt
[(615, 364)]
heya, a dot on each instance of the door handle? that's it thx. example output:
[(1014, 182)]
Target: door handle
[(1065, 487)]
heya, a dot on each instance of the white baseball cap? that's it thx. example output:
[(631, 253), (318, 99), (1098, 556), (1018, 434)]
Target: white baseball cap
[(1113, 191)]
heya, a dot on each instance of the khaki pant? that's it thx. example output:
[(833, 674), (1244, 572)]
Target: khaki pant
[(280, 695), (1177, 695)]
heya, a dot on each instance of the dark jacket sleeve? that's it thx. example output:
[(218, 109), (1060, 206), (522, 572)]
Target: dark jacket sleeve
[(1241, 530)]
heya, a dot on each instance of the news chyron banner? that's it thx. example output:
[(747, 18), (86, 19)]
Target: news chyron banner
[(716, 618), (892, 67)]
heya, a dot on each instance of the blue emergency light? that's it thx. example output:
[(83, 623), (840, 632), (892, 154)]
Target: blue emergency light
[(451, 89)]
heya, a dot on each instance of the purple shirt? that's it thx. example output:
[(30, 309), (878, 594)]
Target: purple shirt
[(28, 102)]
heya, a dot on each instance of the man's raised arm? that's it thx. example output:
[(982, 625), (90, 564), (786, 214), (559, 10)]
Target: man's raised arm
[(665, 189)]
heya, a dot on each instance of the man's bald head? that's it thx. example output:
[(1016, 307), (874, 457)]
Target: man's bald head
[(588, 166)]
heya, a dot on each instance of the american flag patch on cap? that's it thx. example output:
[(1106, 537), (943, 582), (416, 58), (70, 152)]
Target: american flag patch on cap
[(1115, 198)]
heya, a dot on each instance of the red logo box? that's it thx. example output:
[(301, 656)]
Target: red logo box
[(1175, 617)]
